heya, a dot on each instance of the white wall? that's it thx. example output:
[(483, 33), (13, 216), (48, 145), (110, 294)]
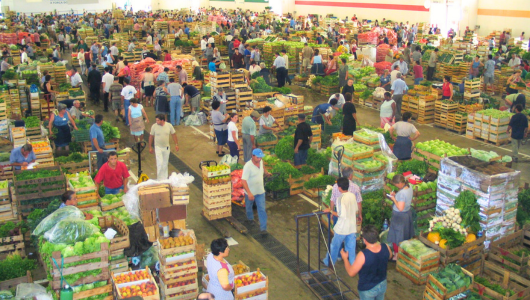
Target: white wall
[(60, 5), (238, 4), (517, 24), (322, 7)]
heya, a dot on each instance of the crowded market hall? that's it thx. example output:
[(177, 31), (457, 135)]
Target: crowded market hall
[(264, 150)]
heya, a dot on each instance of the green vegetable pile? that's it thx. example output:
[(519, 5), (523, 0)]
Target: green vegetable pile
[(75, 157), (319, 182), (111, 199), (417, 167), (452, 278), (374, 210), (260, 86), (523, 208), (286, 169), (284, 150), (494, 286), (14, 266), (267, 137), (32, 122), (110, 132), (308, 170), (277, 184), (76, 93), (35, 174), (235, 167), (282, 90), (359, 87), (90, 286), (466, 202), (319, 160), (440, 148), (330, 81), (495, 113), (64, 87), (120, 213), (12, 229), (416, 248)]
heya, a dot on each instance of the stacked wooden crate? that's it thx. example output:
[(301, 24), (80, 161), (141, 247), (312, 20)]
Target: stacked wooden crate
[(217, 193), (43, 151), (135, 283), (437, 291), (18, 136), (87, 195), (317, 136), (493, 279), (117, 260), (243, 97), (8, 207), (178, 266), (426, 108), (253, 285), (472, 89), (491, 129), (15, 102), (4, 114), (417, 269), (60, 74), (219, 80), (442, 110), (153, 198), (510, 251)]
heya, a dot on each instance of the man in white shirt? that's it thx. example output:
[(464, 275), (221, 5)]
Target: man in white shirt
[(149, 39), (346, 228), (393, 74), (204, 43), (114, 52), (75, 80), (23, 56), (179, 32), (127, 93), (340, 99), (211, 41), (514, 62), (303, 39), (160, 133), (107, 80)]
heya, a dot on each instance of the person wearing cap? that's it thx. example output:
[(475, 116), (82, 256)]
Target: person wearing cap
[(252, 180), (303, 136), (266, 121), (248, 130), (60, 121), (22, 156)]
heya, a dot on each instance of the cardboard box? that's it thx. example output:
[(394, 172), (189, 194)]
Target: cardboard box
[(175, 212), (152, 233), (148, 217), (154, 196)]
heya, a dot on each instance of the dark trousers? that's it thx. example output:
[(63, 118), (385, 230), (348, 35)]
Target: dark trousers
[(102, 158), (287, 79), (94, 94), (430, 72), (61, 46), (280, 76), (106, 101)]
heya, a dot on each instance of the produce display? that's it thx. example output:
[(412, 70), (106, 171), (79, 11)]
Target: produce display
[(120, 213), (416, 248), (260, 86), (284, 150), (131, 276), (112, 198), (320, 181), (82, 181), (32, 122), (173, 242), (245, 280), (447, 231), (268, 137), (12, 229), (415, 166), (523, 209), (452, 278), (110, 132), (466, 203), (495, 113), (441, 148), (141, 289), (494, 286), (371, 208), (74, 157), (14, 266), (76, 93)]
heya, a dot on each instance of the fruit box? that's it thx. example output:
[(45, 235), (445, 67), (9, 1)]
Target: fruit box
[(118, 286), (206, 173), (178, 268), (182, 286), (176, 250), (242, 291)]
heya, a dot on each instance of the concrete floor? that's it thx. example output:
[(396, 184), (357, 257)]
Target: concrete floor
[(195, 147)]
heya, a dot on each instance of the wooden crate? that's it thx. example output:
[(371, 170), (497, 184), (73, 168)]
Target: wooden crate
[(420, 268), (433, 294), (217, 213), (102, 265), (12, 244), (180, 195), (296, 185), (111, 206), (172, 251), (463, 255), (178, 270), (106, 289), (151, 279), (120, 242), (506, 279), (244, 292), (500, 251), (12, 283), (37, 192)]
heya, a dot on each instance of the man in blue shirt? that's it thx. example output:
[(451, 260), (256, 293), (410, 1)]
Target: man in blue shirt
[(403, 67), (322, 113), (319, 39), (22, 156), (211, 65), (399, 88), (98, 140), (187, 31)]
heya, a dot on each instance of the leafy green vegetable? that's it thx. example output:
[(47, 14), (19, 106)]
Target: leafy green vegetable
[(277, 184), (374, 210), (321, 181), (72, 157), (286, 169), (110, 132), (452, 278), (523, 209), (469, 208), (14, 266), (454, 239), (319, 160), (417, 167), (285, 148), (32, 122), (494, 286)]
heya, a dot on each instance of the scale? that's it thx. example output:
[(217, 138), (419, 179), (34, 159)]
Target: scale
[(218, 224), (139, 148)]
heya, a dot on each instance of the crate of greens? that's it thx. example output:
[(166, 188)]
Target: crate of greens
[(512, 252), (448, 282), (39, 183), (416, 261), (496, 282), (121, 239), (73, 163), (12, 239)]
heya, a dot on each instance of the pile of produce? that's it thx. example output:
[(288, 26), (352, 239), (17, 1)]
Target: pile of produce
[(282, 90), (381, 52), (523, 208), (12, 229), (380, 67), (111, 198), (372, 212), (120, 213), (495, 113), (64, 87), (415, 166), (365, 94), (260, 86), (355, 149), (441, 148), (110, 132), (32, 122), (76, 93), (319, 182), (82, 180), (447, 231), (319, 160), (284, 150), (14, 266), (359, 87), (483, 155), (330, 81), (494, 286), (285, 169), (72, 158), (416, 248), (452, 278), (469, 208)]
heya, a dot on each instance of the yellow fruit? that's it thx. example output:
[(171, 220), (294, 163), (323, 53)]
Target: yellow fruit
[(442, 244), (470, 238), (433, 237)]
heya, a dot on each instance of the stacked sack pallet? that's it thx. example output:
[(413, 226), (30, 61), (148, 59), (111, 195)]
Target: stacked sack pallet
[(494, 185), (178, 266), (490, 125), (217, 192)]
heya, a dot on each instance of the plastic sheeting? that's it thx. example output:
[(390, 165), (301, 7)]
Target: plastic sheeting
[(62, 213), (131, 199), (70, 231), (32, 291)]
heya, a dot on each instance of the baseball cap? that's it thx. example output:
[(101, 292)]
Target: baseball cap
[(255, 114), (258, 153)]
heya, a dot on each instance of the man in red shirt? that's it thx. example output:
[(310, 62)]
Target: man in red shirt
[(113, 174)]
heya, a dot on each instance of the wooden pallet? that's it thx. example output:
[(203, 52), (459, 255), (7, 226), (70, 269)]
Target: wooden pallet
[(463, 255), (13, 283), (500, 251), (432, 294)]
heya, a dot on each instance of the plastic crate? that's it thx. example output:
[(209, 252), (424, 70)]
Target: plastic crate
[(82, 135), (279, 195), (329, 129)]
